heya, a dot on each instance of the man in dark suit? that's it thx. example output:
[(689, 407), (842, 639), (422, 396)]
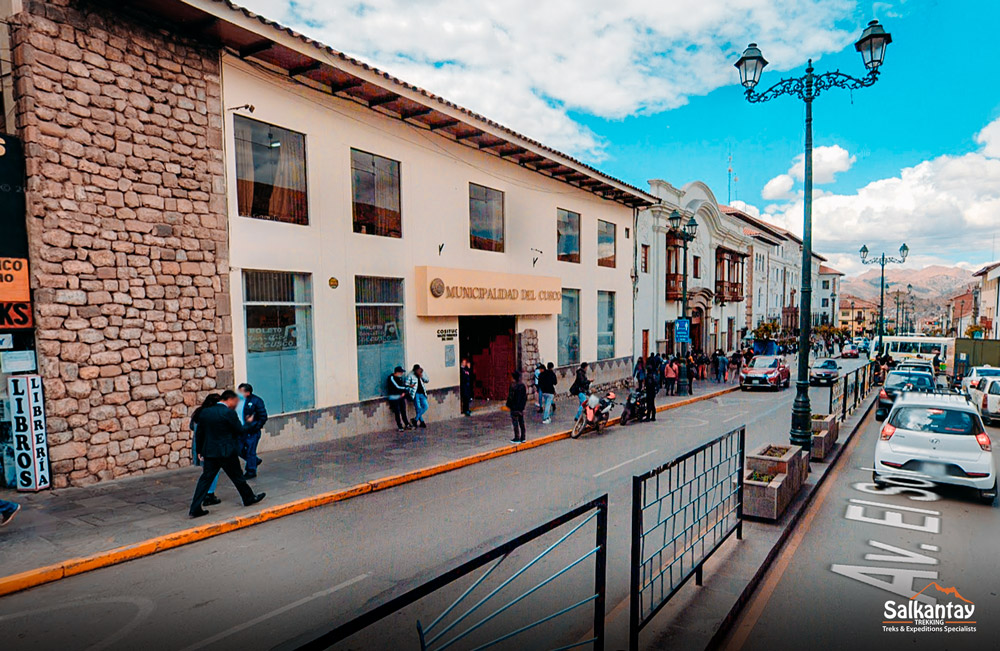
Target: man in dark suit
[(218, 441), (254, 415)]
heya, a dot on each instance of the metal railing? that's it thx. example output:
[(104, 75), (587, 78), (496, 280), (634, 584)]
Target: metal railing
[(681, 513), (455, 626), (849, 391)]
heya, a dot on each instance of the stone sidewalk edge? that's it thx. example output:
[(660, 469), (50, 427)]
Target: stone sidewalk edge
[(74, 566), (732, 616)]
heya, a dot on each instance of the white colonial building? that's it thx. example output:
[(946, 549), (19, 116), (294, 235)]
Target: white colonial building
[(716, 272)]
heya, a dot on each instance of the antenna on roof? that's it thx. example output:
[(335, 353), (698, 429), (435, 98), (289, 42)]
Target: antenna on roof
[(729, 182)]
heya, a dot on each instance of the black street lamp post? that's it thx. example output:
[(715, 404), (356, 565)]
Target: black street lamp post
[(685, 234), (882, 261), (871, 45)]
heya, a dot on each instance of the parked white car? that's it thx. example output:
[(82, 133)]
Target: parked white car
[(937, 437), (985, 395), (977, 372)]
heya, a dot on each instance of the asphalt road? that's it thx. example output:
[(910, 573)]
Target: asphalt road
[(286, 580), (858, 547)]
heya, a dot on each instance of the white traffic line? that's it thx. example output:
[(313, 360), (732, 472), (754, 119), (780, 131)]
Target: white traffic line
[(625, 463), (278, 611)]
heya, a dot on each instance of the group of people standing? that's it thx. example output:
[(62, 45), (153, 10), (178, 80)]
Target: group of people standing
[(402, 388)]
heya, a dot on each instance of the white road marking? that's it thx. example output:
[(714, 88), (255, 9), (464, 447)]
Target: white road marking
[(734, 417), (278, 611), (625, 463), (930, 548), (894, 507), (144, 606)]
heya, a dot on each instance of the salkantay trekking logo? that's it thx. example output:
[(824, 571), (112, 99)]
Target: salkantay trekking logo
[(926, 615)]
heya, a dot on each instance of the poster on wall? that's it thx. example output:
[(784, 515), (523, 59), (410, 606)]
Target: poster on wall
[(27, 417)]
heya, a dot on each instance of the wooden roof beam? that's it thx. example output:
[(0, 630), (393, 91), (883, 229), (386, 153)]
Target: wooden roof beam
[(254, 48), (301, 70), (414, 113), (347, 85), (472, 134), (379, 101), (443, 125)]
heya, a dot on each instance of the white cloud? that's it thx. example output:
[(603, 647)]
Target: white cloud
[(946, 209), (527, 64), (828, 161), (989, 138), (780, 187)]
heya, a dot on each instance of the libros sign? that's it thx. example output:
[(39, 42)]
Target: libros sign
[(27, 417)]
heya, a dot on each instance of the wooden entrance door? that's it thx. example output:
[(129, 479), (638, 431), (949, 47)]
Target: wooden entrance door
[(645, 344), (490, 345)]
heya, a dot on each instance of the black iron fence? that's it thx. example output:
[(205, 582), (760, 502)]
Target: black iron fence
[(682, 512), (477, 626), (849, 391)]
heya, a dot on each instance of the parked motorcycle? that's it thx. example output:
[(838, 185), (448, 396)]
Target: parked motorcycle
[(596, 413), (635, 407)]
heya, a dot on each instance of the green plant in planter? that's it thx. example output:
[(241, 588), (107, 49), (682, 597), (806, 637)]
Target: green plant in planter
[(774, 451), (761, 477), (819, 416)]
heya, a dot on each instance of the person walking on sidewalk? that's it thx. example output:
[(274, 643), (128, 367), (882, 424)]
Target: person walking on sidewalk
[(465, 386), (722, 364), (581, 385), (639, 372), (7, 511), (218, 444), (254, 417), (395, 389), (539, 367), (670, 376), (211, 400), (692, 373), (415, 385), (517, 400), (547, 381)]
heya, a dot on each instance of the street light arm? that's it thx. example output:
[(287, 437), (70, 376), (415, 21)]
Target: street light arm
[(799, 87), (838, 79), (884, 260), (792, 86)]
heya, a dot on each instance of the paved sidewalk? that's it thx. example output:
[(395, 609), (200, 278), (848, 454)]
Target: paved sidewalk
[(58, 525)]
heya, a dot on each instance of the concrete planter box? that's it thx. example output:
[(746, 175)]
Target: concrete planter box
[(822, 444), (829, 423), (769, 500), (793, 462)]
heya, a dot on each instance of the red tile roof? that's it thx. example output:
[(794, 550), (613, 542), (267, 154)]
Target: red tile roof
[(345, 77)]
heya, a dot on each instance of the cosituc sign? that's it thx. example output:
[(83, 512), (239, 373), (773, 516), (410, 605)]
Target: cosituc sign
[(31, 446)]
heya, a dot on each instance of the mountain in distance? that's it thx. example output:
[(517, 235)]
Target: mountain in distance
[(933, 283)]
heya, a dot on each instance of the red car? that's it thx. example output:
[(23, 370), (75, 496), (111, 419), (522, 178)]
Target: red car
[(849, 351), (765, 371)]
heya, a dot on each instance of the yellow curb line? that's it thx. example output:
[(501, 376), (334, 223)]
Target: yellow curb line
[(74, 566)]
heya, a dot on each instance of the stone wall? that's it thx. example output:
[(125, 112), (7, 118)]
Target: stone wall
[(122, 124)]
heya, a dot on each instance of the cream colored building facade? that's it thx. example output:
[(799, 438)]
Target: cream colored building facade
[(514, 301), (717, 269)]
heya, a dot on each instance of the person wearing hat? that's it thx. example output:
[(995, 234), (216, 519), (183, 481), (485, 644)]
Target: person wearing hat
[(396, 393), (415, 382)]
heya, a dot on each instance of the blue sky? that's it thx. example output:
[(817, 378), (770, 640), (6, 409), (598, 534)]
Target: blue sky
[(646, 90)]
